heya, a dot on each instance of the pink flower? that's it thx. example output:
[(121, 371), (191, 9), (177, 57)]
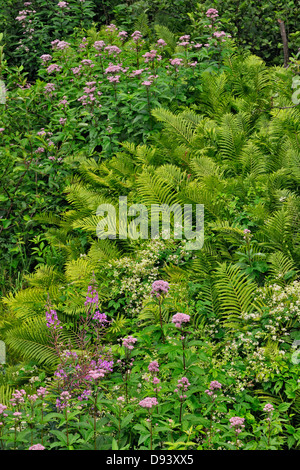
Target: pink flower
[(2, 129), (113, 68), (128, 342), (268, 408), (148, 402), (37, 447), (212, 13), (45, 58), (96, 374), (180, 318), (62, 4), (60, 45), (159, 288), (113, 50), (147, 83), (161, 43), (2, 408), (215, 385), (111, 28), (115, 79), (53, 68), (52, 320), (123, 34), (237, 424), (136, 36), (153, 366)]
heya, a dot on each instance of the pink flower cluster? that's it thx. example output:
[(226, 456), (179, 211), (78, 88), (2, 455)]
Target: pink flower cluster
[(212, 13), (159, 288), (113, 50), (214, 385), (148, 402), (45, 58), (101, 317), (153, 366), (96, 374), (52, 320), (128, 342), (180, 318), (60, 45), (161, 43), (237, 424), (151, 56), (91, 297), (98, 45), (268, 408), (37, 447), (183, 385), (18, 397), (54, 68), (136, 36)]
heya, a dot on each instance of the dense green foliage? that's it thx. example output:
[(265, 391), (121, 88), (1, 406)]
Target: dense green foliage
[(160, 112)]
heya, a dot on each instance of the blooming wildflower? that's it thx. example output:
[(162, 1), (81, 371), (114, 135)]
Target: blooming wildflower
[(45, 58), (113, 68), (153, 366), (76, 70), (120, 399), (2, 129), (62, 121), (40, 150), (37, 447), (123, 34), (53, 68), (268, 408), (92, 296), (18, 397), (96, 374), (113, 50), (60, 45), (197, 46), (17, 414), (101, 317), (148, 402), (161, 43), (42, 392), (98, 45), (136, 73), (2, 408), (215, 385), (136, 36), (32, 398), (212, 13), (115, 79), (111, 28), (63, 102), (183, 383), (176, 61), (52, 320), (147, 83), (128, 342), (180, 318), (62, 4), (159, 288), (88, 62), (219, 34), (237, 424)]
